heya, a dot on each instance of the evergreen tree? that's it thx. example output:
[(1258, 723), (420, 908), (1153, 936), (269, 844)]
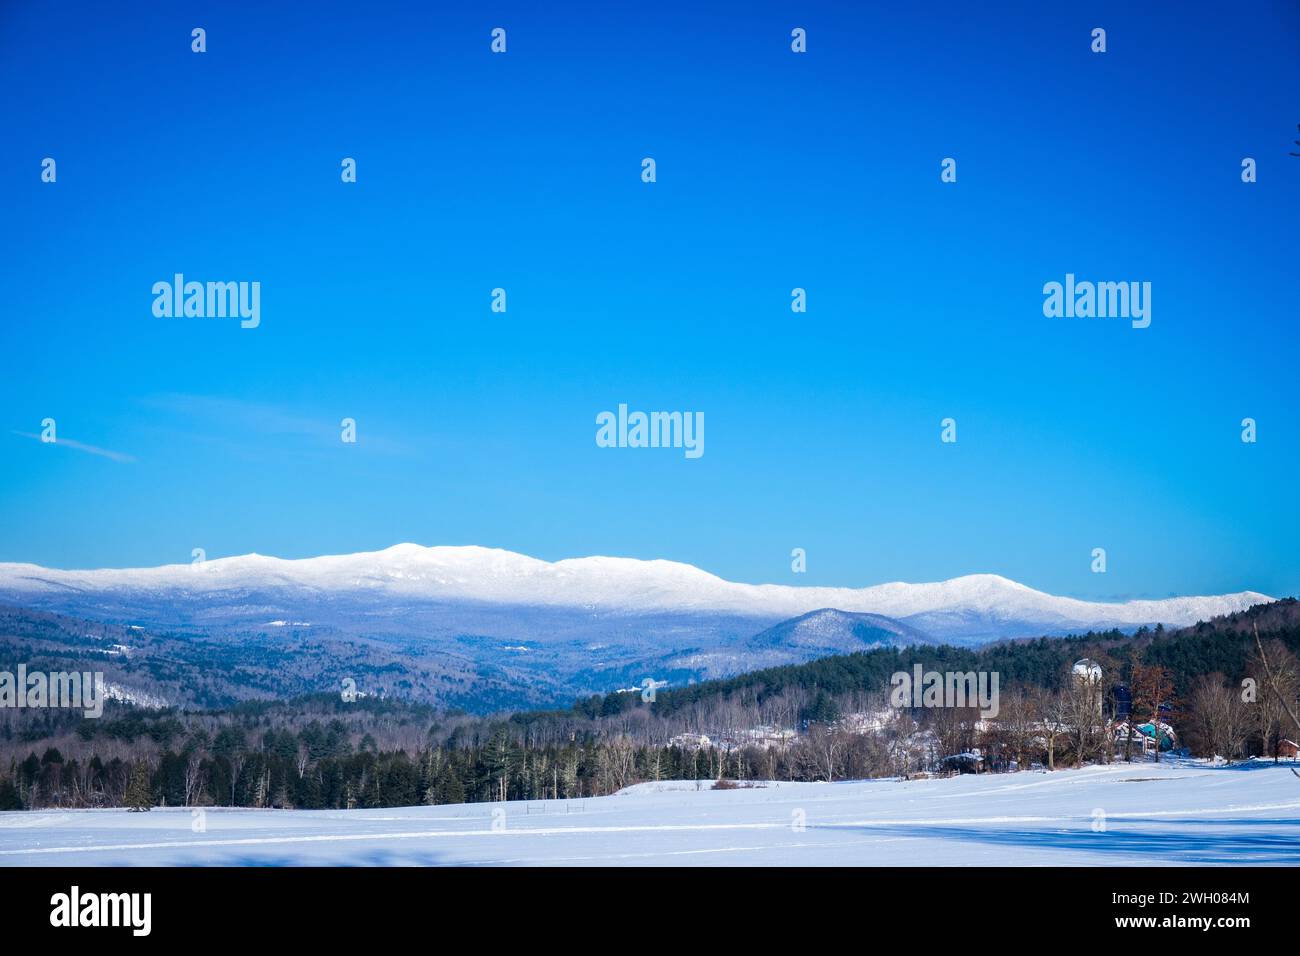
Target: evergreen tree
[(450, 789), (139, 793), (29, 769)]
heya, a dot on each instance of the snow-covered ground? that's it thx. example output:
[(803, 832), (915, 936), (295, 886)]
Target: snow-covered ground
[(1179, 812)]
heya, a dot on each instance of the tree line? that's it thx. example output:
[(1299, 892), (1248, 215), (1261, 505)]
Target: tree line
[(321, 752)]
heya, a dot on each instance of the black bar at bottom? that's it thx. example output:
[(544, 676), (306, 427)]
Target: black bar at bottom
[(350, 905)]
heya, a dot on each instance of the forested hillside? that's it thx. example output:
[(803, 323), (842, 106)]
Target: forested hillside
[(323, 751)]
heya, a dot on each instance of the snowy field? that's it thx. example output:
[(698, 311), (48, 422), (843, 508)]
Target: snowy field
[(1180, 812)]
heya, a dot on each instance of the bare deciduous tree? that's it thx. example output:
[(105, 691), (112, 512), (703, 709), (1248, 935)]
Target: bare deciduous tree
[(1219, 716), (1050, 707), (1153, 693), (1281, 681), (194, 777)]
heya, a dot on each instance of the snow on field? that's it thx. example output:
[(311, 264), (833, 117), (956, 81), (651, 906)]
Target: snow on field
[(1178, 812)]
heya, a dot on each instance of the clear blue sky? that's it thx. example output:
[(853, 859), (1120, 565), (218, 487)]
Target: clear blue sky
[(775, 170)]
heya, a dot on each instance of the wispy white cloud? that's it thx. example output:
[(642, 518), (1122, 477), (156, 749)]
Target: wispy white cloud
[(82, 446), (222, 417), (240, 414)]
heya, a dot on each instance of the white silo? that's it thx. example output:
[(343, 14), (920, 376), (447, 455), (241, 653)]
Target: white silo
[(1087, 671), (1087, 675)]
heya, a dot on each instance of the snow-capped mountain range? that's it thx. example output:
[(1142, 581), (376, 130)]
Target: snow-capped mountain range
[(972, 608)]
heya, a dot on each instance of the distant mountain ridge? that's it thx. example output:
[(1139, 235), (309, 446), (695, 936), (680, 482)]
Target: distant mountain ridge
[(831, 631), (479, 581)]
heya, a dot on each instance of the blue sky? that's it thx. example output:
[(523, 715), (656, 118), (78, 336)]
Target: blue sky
[(775, 171)]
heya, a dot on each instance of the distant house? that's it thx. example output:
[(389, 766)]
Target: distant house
[(1145, 735), (866, 723), (770, 737), (1288, 748), (765, 737), (690, 741), (972, 761)]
